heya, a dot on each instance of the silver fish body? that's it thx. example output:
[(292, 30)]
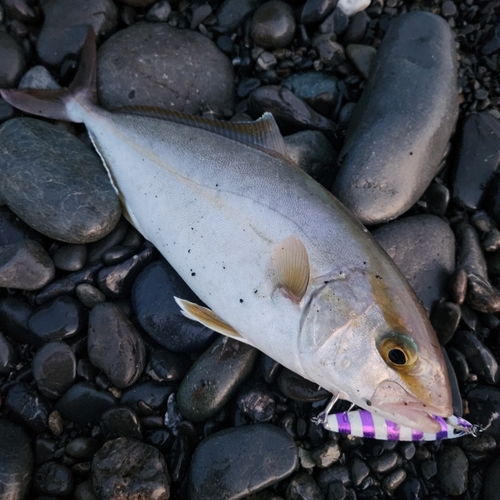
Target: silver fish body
[(280, 262)]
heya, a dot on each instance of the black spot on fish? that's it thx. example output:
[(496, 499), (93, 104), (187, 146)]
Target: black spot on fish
[(241, 301), (193, 274), (378, 277), (368, 402), (131, 94)]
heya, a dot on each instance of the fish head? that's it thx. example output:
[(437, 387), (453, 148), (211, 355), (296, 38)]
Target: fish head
[(373, 345)]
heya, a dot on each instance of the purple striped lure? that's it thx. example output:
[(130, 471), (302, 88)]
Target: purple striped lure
[(362, 423)]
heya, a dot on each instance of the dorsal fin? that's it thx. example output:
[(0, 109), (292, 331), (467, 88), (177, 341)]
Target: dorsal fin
[(262, 134)]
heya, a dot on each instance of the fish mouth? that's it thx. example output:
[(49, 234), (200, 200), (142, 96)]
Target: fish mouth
[(395, 403)]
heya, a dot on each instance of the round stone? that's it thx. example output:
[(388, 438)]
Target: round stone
[(453, 468), (70, 257), (53, 478), (273, 25), (13, 61)]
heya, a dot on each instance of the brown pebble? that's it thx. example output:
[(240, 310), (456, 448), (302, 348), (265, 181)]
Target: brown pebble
[(458, 286), (56, 423)]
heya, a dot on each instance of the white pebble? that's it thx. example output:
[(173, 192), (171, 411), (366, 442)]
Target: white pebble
[(350, 7)]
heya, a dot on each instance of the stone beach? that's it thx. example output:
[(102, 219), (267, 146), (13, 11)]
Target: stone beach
[(106, 391)]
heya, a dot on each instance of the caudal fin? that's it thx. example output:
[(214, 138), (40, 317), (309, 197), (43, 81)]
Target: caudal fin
[(54, 103)]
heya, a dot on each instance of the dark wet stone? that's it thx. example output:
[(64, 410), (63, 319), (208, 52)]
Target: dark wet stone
[(214, 378), (200, 77), (45, 448), (8, 356), (479, 357), (303, 486), (326, 454), (359, 471), (232, 12), (313, 153), (179, 458), (491, 242), (437, 198), (362, 56), (96, 250), (34, 157), (38, 77), (84, 404), (331, 53), (469, 254), (385, 463), (127, 468), (65, 28), (269, 368), (445, 318), (492, 42), (295, 387), (13, 229), (384, 169), (159, 12), (69, 283), (357, 27), (116, 281), (423, 248), (53, 478), (13, 61), (257, 403), (394, 480), (428, 468), (288, 109), (492, 481), (54, 369), (22, 10), (453, 467), (121, 422), (6, 111), (153, 394), (14, 316), (157, 312), (62, 318), (110, 331), (335, 473), (237, 462), (481, 295), (478, 158), (117, 254), (82, 448), (166, 366), (28, 407), (273, 25), (89, 295), (16, 461), (25, 265), (315, 11), (70, 257), (482, 221), (458, 286)]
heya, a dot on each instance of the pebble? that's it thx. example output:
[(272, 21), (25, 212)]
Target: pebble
[(22, 11), (295, 387), (315, 11), (469, 253), (313, 153), (35, 156), (423, 248), (13, 61), (16, 461), (362, 56), (96, 250), (53, 478), (394, 480), (120, 422), (153, 301), (117, 254), (82, 448), (385, 463), (257, 403), (6, 113), (453, 468), (458, 286), (192, 73), (493, 41), (62, 318), (70, 257), (359, 471), (288, 109), (273, 25), (232, 12), (166, 366), (25, 265), (492, 481), (357, 28), (302, 486), (214, 378), (65, 28), (89, 295), (330, 52), (153, 394), (494, 199), (54, 369), (371, 181), (110, 331), (479, 357), (14, 316), (327, 454), (481, 296), (478, 158), (159, 12), (445, 318), (437, 198), (27, 406), (229, 464), (84, 404), (8, 356), (351, 7), (38, 77), (13, 229)]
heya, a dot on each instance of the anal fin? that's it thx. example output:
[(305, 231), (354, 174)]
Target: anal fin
[(209, 319)]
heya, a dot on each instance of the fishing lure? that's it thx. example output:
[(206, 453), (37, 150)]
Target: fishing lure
[(362, 423)]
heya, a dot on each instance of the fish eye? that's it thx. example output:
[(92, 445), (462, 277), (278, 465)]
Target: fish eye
[(399, 351)]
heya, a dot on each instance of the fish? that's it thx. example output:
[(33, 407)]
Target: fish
[(362, 423), (276, 260)]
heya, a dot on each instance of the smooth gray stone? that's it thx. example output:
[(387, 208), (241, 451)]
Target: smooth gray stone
[(13, 61), (89, 295), (273, 25), (478, 158), (70, 257), (423, 248), (66, 26), (8, 356), (110, 331), (400, 127), (214, 378), (55, 183), (232, 12), (16, 462), (183, 70), (453, 468), (25, 265), (234, 463), (362, 56), (38, 77), (469, 253)]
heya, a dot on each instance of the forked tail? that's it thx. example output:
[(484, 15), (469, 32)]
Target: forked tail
[(55, 103)]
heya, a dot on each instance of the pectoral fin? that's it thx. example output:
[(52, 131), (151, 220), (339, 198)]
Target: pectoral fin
[(208, 318), (291, 265)]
